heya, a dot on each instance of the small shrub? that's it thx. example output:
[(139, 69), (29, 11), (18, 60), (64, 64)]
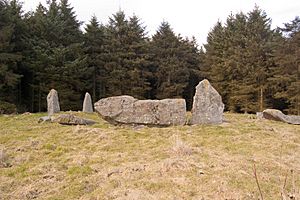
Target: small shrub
[(7, 108), (4, 159)]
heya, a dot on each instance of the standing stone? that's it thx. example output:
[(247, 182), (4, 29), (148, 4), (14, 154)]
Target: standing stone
[(259, 115), (52, 102), (87, 104), (128, 110), (207, 105)]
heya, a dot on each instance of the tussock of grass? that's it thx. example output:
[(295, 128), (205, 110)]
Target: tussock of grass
[(180, 148), (52, 161)]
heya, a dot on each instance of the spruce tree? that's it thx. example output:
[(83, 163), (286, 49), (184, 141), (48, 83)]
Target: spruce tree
[(137, 63), (193, 62), (240, 57), (56, 55), (170, 71), (94, 48), (116, 30), (8, 59), (71, 26), (259, 54), (213, 57), (126, 59), (11, 44), (286, 75), (175, 62), (37, 59)]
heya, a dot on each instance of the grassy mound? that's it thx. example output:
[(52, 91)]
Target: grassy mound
[(52, 161)]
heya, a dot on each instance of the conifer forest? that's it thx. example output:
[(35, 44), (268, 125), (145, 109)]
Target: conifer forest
[(252, 65)]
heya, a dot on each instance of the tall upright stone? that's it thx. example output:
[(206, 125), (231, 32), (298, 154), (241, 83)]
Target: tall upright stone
[(52, 102), (87, 103), (207, 105)]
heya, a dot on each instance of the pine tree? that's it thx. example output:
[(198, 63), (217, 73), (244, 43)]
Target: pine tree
[(126, 58), (44, 26), (94, 47), (259, 56), (138, 61), (56, 55), (236, 65), (116, 30), (175, 61), (286, 76), (71, 26), (67, 52), (213, 57), (11, 26), (194, 65), (37, 59), (171, 74), (240, 55)]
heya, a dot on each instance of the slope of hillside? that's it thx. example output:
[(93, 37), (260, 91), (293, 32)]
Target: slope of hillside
[(52, 161)]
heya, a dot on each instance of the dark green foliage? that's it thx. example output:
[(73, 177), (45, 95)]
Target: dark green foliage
[(55, 58), (67, 50), (239, 56), (117, 31), (39, 58), (70, 25), (170, 73), (194, 64), (126, 58), (286, 75), (94, 51), (175, 63), (10, 50), (7, 108), (251, 65), (138, 61)]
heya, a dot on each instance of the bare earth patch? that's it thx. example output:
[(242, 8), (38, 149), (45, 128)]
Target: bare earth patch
[(52, 161)]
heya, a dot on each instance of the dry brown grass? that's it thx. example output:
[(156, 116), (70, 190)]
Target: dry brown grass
[(51, 161), (180, 148)]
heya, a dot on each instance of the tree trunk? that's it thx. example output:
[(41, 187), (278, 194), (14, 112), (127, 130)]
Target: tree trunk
[(39, 97), (94, 85), (261, 99), (32, 100)]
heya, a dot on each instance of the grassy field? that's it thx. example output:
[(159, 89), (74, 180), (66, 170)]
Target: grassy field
[(52, 161)]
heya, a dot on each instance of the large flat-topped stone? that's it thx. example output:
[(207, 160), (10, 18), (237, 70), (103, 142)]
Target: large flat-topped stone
[(128, 110), (207, 105)]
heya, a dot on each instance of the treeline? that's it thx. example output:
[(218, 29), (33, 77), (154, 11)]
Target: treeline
[(251, 65)]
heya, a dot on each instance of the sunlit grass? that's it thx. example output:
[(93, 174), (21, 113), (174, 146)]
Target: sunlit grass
[(52, 161)]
